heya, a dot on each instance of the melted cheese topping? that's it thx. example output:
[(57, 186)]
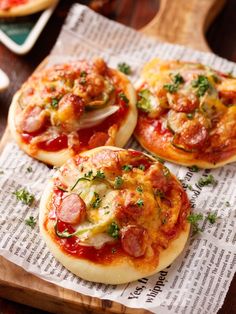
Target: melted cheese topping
[(123, 190), (188, 103)]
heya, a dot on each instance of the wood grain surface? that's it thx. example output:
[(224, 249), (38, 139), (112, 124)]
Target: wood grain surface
[(178, 21)]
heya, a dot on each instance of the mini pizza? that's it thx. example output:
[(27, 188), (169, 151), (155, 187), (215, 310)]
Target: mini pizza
[(187, 113), (111, 215), (11, 8), (72, 107)]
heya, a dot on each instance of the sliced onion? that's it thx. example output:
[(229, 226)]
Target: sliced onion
[(95, 117)]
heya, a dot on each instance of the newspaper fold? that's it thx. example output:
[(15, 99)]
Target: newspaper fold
[(197, 282)]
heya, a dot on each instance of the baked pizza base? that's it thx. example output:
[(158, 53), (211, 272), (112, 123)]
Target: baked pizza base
[(117, 272), (160, 145), (60, 157), (30, 7)]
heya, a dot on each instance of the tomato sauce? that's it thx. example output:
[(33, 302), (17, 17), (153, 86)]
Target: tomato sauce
[(54, 145), (7, 4), (72, 246)]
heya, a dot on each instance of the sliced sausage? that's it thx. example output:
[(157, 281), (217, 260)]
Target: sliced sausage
[(157, 177), (134, 240), (98, 139), (72, 209), (33, 119), (194, 136)]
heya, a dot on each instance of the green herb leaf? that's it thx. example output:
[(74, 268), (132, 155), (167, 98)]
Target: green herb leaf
[(212, 217), (118, 182), (83, 74), (177, 80), (24, 196), (96, 200), (142, 167), (190, 115), (31, 221), (194, 220), (124, 68), (202, 85), (162, 161), (194, 168), (99, 175), (189, 186), (113, 230), (144, 102), (123, 97), (139, 189), (54, 103), (140, 202), (80, 179), (209, 180), (29, 169), (127, 168)]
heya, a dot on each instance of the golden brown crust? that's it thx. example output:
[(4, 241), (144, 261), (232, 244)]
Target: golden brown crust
[(191, 122), (120, 269), (30, 7)]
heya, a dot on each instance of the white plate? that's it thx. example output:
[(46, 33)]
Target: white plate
[(32, 36)]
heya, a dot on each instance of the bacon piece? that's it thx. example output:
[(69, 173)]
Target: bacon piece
[(72, 209), (134, 240), (98, 139), (33, 119), (70, 106)]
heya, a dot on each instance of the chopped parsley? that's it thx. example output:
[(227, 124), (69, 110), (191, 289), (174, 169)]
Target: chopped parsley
[(124, 68), (88, 174), (29, 169), (142, 167), (202, 85), (189, 186), (194, 168), (144, 102), (127, 168), (139, 189), (212, 217), (54, 103), (24, 196), (113, 230), (209, 180), (96, 200), (118, 182), (140, 202), (227, 204), (83, 74), (31, 221), (162, 161), (190, 115), (174, 86), (123, 97), (194, 220), (99, 175)]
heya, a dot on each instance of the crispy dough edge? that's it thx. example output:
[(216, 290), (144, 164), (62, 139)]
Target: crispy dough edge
[(181, 158), (118, 272), (31, 7), (59, 158)]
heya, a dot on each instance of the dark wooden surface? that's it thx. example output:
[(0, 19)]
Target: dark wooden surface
[(221, 38)]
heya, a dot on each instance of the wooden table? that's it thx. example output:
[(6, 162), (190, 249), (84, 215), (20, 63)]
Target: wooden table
[(220, 36)]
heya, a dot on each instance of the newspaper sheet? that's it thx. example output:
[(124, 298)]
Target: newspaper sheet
[(198, 280)]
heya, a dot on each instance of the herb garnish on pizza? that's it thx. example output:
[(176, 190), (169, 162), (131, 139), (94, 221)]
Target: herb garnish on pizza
[(112, 215), (187, 113)]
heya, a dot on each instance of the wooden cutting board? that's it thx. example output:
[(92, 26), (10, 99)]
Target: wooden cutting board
[(178, 21)]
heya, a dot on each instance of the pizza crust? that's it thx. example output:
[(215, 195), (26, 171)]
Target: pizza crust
[(117, 272), (31, 7), (60, 157)]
